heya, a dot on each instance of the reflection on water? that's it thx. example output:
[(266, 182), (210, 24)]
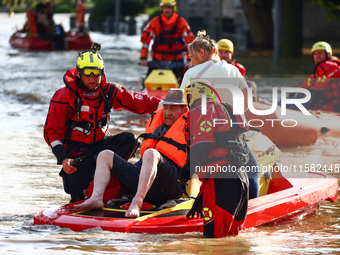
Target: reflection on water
[(30, 180)]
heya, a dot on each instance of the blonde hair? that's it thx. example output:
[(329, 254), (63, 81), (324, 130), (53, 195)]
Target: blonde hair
[(203, 41)]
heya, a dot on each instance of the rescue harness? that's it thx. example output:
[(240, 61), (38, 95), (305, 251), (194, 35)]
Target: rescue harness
[(86, 126)]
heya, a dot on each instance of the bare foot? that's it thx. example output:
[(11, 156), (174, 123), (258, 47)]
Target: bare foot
[(91, 203), (134, 209)]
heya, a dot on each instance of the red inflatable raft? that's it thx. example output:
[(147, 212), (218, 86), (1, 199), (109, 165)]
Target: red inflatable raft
[(294, 128), (287, 199), (73, 41)]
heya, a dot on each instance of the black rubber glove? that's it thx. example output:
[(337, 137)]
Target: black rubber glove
[(60, 153), (196, 207)]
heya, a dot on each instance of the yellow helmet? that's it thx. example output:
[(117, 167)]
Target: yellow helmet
[(322, 46), (195, 89), (225, 44), (90, 62), (168, 2)]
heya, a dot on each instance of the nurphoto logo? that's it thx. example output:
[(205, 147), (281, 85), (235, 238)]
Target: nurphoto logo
[(238, 100), (238, 106)]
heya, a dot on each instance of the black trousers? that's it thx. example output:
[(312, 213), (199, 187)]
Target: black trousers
[(124, 144), (164, 186)]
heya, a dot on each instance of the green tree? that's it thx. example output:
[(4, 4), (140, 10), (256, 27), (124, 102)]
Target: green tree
[(105, 8), (151, 3), (260, 20), (332, 7)]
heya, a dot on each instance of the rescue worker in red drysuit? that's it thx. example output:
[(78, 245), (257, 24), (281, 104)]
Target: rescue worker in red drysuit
[(170, 34), (77, 124), (223, 198), (324, 83), (225, 52)]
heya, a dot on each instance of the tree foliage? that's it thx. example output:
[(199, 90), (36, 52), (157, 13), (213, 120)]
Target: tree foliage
[(260, 19), (60, 6), (332, 7), (151, 3), (105, 8)]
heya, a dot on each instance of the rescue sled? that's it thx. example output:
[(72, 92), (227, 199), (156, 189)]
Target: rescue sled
[(295, 128), (161, 79), (287, 200), (281, 199), (27, 42)]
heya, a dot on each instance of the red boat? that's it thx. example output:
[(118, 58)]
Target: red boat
[(73, 41), (287, 199), (28, 38)]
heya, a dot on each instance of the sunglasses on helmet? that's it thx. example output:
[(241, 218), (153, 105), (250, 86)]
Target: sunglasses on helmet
[(88, 71)]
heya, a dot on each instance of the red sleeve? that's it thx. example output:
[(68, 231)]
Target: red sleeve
[(186, 31), (59, 112), (147, 35), (132, 101), (241, 68), (328, 69)]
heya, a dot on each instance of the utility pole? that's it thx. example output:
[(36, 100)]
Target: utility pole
[(117, 15)]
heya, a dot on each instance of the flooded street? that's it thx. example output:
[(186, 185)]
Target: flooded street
[(30, 181)]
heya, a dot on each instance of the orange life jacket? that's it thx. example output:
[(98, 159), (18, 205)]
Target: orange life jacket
[(169, 40), (31, 17), (172, 144)]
